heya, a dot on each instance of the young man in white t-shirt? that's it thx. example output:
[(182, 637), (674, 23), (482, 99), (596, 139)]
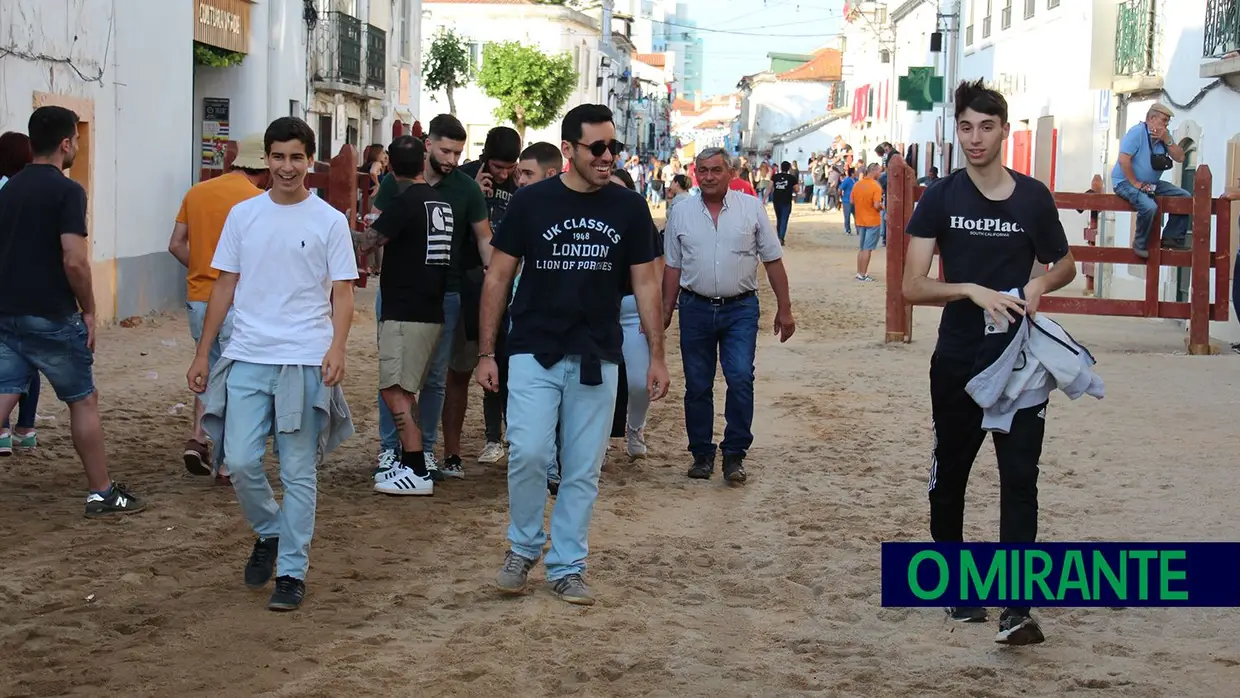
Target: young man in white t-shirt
[(287, 268)]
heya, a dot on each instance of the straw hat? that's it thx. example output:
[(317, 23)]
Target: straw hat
[(251, 154)]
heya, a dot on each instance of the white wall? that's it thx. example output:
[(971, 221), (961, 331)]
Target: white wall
[(816, 141), (141, 106), (913, 49), (776, 107)]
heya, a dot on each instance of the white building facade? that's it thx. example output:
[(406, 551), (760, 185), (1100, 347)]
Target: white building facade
[(154, 112), (775, 104)]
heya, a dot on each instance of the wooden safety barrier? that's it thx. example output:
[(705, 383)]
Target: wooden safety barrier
[(903, 192)]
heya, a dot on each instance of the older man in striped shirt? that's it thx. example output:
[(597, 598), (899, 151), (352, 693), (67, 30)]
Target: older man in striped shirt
[(713, 245)]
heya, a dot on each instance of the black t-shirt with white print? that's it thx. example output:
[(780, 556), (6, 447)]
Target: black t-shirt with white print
[(577, 249), (783, 187), (989, 243), (418, 225)]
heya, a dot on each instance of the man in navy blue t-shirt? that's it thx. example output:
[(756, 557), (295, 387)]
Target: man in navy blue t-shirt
[(580, 239), (990, 226)]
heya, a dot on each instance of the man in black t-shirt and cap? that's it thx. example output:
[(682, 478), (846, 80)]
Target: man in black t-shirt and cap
[(578, 239), (415, 230), (990, 225), (496, 174), (784, 186)]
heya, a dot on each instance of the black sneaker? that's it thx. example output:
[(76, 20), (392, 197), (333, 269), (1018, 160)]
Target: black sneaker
[(452, 467), (288, 594), (262, 562), (118, 500), (967, 614), (703, 467), (1018, 629), (734, 468)]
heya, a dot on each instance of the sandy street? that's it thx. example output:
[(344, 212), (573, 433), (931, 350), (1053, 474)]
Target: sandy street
[(704, 590)]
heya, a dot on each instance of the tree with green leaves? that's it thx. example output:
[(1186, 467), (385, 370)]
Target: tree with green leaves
[(531, 86), (447, 66)]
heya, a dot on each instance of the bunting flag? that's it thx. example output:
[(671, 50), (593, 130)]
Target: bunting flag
[(851, 12)]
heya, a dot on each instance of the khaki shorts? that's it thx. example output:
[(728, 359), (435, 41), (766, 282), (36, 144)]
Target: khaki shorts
[(405, 350), (464, 357)]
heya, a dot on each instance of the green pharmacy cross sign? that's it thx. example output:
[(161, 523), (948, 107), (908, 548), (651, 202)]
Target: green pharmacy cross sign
[(920, 89)]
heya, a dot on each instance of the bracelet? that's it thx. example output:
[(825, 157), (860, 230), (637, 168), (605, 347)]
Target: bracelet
[(487, 355)]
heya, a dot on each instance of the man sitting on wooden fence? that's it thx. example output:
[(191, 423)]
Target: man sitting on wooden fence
[(1147, 151)]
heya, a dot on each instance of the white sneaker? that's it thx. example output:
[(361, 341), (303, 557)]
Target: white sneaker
[(492, 453), (635, 442), (402, 481)]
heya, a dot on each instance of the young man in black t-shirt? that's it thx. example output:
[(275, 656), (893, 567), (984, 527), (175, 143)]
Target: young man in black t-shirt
[(47, 302), (496, 173), (990, 224), (415, 231), (784, 186), (579, 239)]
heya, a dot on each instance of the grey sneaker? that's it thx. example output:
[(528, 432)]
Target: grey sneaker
[(572, 588), (635, 442), (514, 574)]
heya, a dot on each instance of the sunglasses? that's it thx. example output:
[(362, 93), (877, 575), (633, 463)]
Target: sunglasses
[(597, 148)]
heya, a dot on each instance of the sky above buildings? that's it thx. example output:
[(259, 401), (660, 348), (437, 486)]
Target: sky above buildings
[(737, 34)]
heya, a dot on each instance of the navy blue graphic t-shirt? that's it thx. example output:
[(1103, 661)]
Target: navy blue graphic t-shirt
[(577, 248), (989, 243)]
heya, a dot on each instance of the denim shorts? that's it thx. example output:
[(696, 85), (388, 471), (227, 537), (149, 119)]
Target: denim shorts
[(55, 347), (869, 236), (196, 311)]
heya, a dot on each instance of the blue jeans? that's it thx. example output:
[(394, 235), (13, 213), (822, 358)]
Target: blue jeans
[(782, 213), (727, 334), (882, 227), (1177, 224), (430, 399), (820, 197), (248, 421), (636, 362), (538, 398), (848, 214), (55, 347)]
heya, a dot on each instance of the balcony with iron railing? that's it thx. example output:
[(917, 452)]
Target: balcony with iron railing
[(341, 60), (1136, 47), (1222, 39)]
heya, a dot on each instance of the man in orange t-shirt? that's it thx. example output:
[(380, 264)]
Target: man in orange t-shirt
[(199, 224), (867, 201)]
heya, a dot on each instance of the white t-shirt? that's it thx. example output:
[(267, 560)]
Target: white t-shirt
[(288, 257)]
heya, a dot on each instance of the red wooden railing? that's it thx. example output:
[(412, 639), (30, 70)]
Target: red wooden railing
[(903, 192)]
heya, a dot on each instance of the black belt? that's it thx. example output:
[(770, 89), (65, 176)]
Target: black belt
[(719, 301)]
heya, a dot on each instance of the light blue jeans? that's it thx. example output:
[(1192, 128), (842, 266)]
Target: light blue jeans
[(538, 398), (430, 399), (247, 425), (636, 361)]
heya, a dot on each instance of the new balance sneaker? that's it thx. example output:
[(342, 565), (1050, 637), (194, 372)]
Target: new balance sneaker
[(1018, 628), (967, 614), (635, 442), (118, 500), (288, 594), (262, 562), (197, 458), (432, 466), (493, 452), (404, 481), (452, 467), (572, 588), (6, 444), (514, 574)]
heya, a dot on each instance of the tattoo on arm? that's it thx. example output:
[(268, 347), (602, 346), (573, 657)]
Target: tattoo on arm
[(368, 240)]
